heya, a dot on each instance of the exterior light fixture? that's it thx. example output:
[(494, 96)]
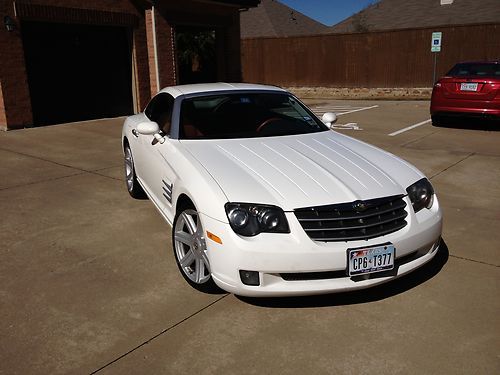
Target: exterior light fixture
[(9, 23)]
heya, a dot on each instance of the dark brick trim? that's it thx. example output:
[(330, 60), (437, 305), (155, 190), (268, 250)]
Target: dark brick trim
[(35, 12)]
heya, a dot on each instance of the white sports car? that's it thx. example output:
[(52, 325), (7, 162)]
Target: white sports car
[(264, 199)]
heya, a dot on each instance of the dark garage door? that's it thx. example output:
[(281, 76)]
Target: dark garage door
[(77, 72)]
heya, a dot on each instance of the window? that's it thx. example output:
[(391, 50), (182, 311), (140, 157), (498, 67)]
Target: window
[(475, 70), (245, 115), (159, 110)]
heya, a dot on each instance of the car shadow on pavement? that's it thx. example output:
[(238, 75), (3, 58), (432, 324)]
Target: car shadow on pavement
[(376, 293)]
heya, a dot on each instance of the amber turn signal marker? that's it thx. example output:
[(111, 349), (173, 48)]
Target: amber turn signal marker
[(213, 237)]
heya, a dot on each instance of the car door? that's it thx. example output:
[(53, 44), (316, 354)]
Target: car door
[(140, 143), (155, 165)]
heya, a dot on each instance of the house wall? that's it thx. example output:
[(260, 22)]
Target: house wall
[(15, 102), (165, 49), (388, 59), (15, 106), (13, 77)]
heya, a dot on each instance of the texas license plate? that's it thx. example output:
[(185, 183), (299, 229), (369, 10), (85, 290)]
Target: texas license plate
[(371, 259), (468, 87)]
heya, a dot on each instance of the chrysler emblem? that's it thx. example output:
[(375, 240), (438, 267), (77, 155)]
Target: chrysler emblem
[(359, 206)]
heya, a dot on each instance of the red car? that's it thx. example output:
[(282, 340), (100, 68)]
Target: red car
[(469, 89)]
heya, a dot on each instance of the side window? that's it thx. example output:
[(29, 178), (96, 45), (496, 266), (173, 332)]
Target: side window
[(159, 110)]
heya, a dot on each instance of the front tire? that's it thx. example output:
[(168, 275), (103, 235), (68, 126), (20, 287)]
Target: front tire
[(133, 187), (190, 250)]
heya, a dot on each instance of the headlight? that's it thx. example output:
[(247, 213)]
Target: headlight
[(421, 194), (251, 219)]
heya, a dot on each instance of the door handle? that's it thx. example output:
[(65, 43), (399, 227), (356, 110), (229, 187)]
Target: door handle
[(135, 133)]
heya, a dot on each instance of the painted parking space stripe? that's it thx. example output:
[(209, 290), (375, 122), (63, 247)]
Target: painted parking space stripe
[(409, 128), (337, 107), (357, 110), (339, 110)]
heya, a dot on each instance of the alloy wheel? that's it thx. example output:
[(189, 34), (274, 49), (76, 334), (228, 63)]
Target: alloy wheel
[(190, 247), (129, 169)]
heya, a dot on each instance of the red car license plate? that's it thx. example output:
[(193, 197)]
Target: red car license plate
[(468, 87)]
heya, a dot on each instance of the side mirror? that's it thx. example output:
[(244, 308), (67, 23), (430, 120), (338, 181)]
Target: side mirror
[(151, 128), (148, 128), (329, 118)]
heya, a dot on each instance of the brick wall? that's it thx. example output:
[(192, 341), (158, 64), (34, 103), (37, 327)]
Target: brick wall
[(120, 6), (16, 109), (3, 119), (15, 103), (13, 80), (151, 53), (142, 89), (165, 47), (166, 52)]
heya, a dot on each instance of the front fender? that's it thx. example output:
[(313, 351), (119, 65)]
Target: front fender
[(195, 181)]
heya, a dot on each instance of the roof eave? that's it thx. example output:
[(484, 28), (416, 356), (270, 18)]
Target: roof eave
[(236, 3)]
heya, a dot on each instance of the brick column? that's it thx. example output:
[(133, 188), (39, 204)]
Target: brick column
[(3, 115), (165, 50), (165, 35), (15, 103), (141, 66)]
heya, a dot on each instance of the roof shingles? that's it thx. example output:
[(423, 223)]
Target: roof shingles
[(398, 14), (274, 19)]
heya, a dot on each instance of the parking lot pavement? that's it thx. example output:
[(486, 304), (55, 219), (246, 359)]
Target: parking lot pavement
[(88, 280)]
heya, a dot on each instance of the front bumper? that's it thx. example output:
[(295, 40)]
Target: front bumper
[(293, 264)]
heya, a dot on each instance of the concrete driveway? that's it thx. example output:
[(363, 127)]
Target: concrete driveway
[(88, 281)]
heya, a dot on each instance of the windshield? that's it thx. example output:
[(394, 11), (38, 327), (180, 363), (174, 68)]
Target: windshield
[(475, 70), (245, 115)]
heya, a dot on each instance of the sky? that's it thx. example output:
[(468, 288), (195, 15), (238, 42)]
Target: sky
[(328, 12)]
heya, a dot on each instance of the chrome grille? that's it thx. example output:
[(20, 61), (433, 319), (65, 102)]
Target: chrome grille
[(360, 220)]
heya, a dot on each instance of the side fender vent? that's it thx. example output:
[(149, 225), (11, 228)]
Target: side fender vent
[(167, 190)]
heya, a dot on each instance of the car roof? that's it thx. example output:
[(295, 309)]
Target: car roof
[(199, 88)]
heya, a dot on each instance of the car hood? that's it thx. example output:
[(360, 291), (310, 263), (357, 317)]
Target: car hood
[(303, 170)]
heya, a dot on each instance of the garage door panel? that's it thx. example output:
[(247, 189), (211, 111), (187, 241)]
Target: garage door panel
[(77, 72)]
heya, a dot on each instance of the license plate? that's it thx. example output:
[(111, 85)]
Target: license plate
[(371, 259), (468, 87)]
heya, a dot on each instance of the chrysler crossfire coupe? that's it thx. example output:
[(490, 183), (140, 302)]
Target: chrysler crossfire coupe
[(266, 199)]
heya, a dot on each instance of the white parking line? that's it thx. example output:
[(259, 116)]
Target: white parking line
[(357, 110), (350, 126), (409, 128), (337, 107), (339, 110)]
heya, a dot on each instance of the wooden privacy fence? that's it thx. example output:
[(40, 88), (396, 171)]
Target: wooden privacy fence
[(400, 58)]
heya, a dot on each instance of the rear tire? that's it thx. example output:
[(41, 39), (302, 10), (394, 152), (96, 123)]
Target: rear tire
[(436, 121), (133, 187)]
